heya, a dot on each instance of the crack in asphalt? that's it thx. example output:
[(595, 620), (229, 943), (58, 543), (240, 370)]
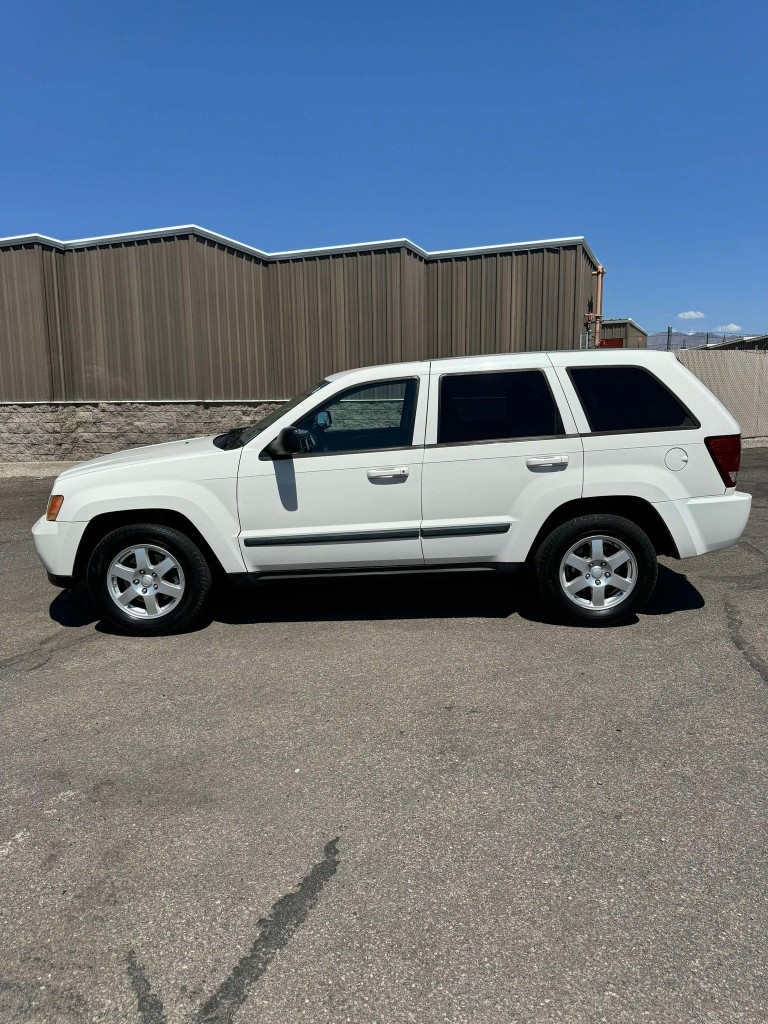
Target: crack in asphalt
[(41, 654), (286, 917), (150, 1007), (753, 581), (747, 650), (753, 547)]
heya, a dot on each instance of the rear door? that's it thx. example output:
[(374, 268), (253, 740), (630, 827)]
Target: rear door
[(637, 413), (502, 453)]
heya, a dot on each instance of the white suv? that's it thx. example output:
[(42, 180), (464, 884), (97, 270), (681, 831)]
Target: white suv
[(581, 465)]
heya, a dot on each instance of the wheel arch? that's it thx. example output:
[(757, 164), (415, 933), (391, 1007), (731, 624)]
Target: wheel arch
[(106, 522), (637, 510)]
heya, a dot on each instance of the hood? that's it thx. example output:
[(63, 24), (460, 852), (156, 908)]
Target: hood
[(171, 451)]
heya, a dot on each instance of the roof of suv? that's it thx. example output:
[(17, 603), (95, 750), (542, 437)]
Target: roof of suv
[(558, 357)]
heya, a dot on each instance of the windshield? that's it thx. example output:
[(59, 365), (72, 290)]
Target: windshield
[(239, 436)]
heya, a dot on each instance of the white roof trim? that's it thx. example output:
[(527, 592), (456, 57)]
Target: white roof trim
[(194, 229)]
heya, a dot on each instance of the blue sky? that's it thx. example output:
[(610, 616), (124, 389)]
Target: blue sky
[(642, 126)]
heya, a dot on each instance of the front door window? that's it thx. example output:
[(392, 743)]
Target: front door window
[(369, 417)]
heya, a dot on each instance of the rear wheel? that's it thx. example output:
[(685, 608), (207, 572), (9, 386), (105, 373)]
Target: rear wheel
[(596, 570), (149, 578)]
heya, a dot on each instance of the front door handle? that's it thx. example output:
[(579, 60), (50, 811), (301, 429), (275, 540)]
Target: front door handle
[(542, 461), (395, 473)]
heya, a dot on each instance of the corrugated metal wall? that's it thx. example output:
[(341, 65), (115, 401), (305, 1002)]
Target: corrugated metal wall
[(25, 358), (187, 318), (333, 312), (610, 330), (230, 324), (636, 338), (127, 322), (511, 302)]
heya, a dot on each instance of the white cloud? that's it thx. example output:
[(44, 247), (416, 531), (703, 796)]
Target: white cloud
[(691, 314), (728, 328)]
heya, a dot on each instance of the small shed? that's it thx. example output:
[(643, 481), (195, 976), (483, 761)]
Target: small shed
[(622, 333)]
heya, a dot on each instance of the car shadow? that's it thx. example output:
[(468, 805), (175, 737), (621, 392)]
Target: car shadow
[(73, 608), (397, 597), (674, 593), (376, 596)]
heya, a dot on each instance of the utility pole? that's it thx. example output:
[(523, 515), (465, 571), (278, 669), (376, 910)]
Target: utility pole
[(669, 338)]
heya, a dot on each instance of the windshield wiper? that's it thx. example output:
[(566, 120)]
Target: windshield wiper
[(229, 440)]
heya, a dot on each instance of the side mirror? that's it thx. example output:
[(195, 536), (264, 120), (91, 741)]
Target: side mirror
[(323, 419), (286, 444)]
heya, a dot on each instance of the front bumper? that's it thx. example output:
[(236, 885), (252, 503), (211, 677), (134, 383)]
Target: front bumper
[(56, 545), (699, 525), (62, 582)]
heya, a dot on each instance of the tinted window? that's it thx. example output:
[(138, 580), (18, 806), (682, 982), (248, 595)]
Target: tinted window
[(364, 418), (627, 398), (496, 406)]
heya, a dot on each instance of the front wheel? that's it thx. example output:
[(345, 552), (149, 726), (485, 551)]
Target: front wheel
[(149, 578), (596, 570)]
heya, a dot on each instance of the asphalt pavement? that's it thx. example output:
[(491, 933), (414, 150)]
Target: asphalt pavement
[(386, 801)]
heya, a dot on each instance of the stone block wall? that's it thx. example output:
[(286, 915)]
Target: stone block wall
[(58, 432)]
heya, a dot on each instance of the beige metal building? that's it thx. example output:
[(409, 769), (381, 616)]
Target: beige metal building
[(184, 314), (754, 343), (622, 333)]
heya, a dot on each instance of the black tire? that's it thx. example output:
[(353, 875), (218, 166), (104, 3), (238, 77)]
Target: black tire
[(196, 581), (549, 557)]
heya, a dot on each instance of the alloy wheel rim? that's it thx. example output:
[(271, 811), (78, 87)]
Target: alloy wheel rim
[(145, 581), (597, 572)]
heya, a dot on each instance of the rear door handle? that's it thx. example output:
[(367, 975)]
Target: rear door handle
[(395, 473), (541, 461)]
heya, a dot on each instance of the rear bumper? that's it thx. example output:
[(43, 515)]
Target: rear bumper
[(56, 545), (699, 525)]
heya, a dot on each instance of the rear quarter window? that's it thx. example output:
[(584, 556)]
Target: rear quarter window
[(628, 398)]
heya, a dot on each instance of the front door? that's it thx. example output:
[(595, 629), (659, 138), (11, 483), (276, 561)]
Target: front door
[(353, 496), (502, 454)]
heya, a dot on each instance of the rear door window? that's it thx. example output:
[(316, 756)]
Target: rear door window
[(628, 398), (503, 406)]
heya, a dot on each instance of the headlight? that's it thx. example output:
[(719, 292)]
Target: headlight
[(54, 507)]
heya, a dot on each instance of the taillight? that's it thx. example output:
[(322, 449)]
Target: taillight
[(726, 455)]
